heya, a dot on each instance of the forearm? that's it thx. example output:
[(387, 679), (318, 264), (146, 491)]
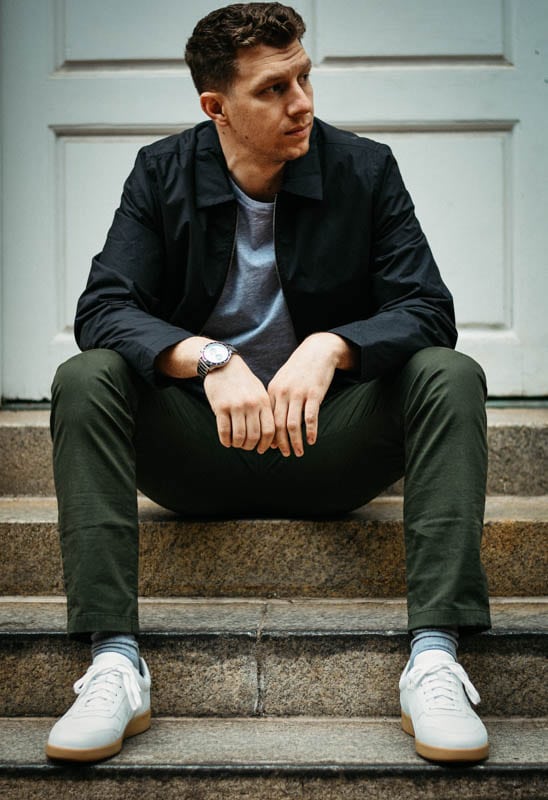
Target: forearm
[(181, 360)]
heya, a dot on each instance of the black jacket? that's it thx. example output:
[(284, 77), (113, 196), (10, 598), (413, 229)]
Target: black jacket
[(350, 253)]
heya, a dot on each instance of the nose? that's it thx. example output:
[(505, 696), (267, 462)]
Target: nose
[(300, 101)]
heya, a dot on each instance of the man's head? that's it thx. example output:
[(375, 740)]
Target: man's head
[(212, 50)]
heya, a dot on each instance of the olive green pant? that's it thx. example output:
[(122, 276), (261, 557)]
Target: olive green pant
[(112, 434)]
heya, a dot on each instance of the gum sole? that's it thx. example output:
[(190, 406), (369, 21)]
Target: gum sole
[(134, 727), (443, 753)]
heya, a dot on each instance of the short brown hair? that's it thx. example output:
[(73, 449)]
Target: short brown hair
[(212, 50)]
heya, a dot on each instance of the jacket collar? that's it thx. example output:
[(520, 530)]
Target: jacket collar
[(302, 177)]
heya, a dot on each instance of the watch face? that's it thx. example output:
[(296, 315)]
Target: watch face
[(216, 353)]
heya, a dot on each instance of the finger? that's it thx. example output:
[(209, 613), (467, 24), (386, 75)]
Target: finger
[(268, 431), (294, 426), (224, 429), (280, 421), (238, 429), (311, 413), (252, 430)]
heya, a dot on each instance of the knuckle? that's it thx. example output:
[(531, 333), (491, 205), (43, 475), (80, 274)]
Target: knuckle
[(238, 435), (268, 428), (282, 393), (223, 426), (252, 435)]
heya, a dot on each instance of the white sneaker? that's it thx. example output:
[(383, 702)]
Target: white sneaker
[(435, 709), (113, 703)]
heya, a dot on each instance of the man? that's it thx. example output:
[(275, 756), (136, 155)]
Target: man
[(266, 331)]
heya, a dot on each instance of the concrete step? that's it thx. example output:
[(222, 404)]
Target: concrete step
[(359, 555), (518, 447), (275, 759), (255, 657)]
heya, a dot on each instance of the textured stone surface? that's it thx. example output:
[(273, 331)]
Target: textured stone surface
[(358, 675), (192, 675), (255, 657), (217, 616), (518, 447), (25, 445), (510, 675), (269, 742), (518, 451), (420, 784), (275, 658), (31, 558), (258, 617), (360, 555), (275, 558), (271, 759), (339, 676)]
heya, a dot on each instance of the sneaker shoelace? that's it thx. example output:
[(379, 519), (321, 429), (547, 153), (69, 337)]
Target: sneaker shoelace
[(101, 685), (441, 684)]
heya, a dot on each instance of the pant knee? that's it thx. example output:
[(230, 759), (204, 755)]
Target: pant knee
[(87, 377), (455, 373), (83, 370)]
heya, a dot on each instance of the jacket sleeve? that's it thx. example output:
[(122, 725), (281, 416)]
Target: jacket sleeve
[(117, 308), (413, 308)]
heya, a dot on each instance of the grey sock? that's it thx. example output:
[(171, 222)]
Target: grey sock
[(434, 639), (123, 643)]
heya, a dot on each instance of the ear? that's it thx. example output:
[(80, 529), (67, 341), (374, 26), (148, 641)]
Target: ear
[(212, 104)]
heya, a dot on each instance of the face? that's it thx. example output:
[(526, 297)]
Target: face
[(269, 108)]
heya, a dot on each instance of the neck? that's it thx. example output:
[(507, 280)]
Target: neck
[(256, 186), (259, 181)]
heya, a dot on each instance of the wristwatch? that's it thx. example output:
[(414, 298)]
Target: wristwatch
[(213, 356)]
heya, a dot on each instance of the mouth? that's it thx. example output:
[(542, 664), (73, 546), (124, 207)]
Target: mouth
[(299, 131)]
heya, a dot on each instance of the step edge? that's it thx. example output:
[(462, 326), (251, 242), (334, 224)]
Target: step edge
[(306, 768), (42, 509), (534, 416), (349, 769), (263, 618)]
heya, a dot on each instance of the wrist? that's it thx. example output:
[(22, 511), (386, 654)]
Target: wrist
[(180, 360), (344, 355), (214, 356)]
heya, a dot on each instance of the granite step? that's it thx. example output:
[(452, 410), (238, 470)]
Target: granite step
[(518, 447), (246, 657), (359, 555), (275, 759)]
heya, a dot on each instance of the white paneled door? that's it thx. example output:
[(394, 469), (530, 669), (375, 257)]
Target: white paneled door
[(458, 89)]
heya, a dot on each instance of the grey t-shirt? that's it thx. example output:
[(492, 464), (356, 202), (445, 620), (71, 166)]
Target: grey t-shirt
[(251, 312)]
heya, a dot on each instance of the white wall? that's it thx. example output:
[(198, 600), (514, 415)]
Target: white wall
[(459, 90)]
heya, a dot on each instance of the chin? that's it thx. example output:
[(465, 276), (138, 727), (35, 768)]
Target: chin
[(298, 149)]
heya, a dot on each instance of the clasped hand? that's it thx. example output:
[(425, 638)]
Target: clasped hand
[(254, 418)]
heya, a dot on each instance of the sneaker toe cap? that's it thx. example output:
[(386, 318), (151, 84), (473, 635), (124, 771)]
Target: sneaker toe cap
[(460, 733), (83, 736)]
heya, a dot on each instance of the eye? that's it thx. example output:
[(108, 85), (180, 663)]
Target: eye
[(276, 88)]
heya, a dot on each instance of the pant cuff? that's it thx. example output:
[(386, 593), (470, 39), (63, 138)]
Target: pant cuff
[(81, 626), (467, 620)]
